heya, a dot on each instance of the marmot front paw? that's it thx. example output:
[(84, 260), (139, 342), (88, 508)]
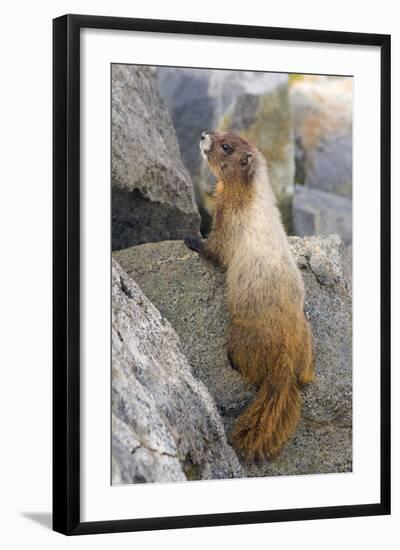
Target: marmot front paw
[(193, 243)]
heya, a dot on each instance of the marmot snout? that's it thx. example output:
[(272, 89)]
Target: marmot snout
[(229, 156)]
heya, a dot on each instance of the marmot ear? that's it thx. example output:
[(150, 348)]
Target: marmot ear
[(246, 159)]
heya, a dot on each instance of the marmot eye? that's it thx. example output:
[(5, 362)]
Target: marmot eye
[(226, 147)]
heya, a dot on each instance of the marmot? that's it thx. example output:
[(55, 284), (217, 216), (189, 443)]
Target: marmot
[(270, 340)]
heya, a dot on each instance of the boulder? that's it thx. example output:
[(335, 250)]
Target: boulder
[(152, 193), (165, 424), (322, 110), (190, 293), (254, 104), (321, 213)]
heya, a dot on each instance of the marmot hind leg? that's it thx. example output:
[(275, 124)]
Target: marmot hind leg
[(307, 375), (246, 352), (307, 372)]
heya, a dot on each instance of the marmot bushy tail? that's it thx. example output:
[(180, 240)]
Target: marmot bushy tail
[(270, 341), (269, 421)]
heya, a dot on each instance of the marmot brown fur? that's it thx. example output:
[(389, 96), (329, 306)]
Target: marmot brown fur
[(270, 340)]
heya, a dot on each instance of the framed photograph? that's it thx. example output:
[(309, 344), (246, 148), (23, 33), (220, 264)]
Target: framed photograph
[(221, 274)]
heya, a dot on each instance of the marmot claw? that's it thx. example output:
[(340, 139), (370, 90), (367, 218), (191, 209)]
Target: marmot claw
[(193, 243)]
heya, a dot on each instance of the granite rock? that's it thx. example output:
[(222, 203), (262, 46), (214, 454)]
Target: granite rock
[(322, 112), (321, 213), (166, 426)]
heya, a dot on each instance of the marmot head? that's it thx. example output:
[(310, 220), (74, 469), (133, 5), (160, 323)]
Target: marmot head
[(230, 157)]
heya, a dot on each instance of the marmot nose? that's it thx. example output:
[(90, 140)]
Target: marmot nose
[(204, 135)]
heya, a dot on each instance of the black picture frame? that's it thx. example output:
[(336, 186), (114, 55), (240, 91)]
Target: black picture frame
[(66, 273)]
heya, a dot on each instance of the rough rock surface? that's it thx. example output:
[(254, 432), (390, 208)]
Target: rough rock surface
[(152, 193), (254, 104), (189, 292), (165, 424), (321, 213), (322, 120)]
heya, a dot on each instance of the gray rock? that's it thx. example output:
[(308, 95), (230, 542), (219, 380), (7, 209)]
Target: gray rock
[(132, 460), (322, 120), (152, 194), (165, 424), (255, 104), (190, 293), (327, 273), (192, 109), (321, 213)]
